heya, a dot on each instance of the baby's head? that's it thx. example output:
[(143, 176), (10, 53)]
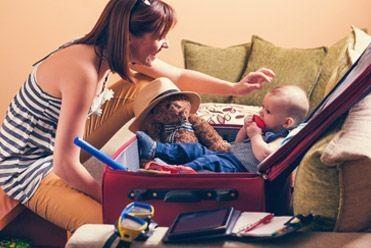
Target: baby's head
[(284, 107)]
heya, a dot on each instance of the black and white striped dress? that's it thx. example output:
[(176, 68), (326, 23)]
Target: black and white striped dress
[(27, 137), (27, 140)]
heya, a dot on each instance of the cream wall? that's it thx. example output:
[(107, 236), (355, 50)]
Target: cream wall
[(30, 29)]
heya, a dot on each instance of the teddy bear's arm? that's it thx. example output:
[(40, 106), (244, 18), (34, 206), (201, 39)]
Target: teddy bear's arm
[(207, 135)]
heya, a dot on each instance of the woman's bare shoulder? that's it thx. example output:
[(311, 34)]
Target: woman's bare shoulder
[(72, 67)]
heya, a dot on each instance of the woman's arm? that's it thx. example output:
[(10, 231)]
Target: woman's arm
[(77, 94), (205, 84)]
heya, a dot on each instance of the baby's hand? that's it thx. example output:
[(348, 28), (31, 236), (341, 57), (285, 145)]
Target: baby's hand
[(252, 129), (247, 121)]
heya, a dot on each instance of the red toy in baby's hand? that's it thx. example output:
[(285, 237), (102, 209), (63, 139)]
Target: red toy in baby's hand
[(259, 122)]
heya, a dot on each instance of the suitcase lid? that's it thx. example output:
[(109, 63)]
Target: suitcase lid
[(354, 85)]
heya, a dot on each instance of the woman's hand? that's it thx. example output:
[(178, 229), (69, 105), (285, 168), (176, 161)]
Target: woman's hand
[(253, 81)]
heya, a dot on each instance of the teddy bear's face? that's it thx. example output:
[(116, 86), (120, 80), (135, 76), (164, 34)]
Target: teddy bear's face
[(172, 110)]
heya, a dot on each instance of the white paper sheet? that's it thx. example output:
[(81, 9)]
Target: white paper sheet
[(263, 230)]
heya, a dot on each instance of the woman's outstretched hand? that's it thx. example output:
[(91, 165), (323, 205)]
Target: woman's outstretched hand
[(253, 81)]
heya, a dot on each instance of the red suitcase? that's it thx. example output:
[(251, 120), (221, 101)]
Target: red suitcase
[(268, 191), (172, 194)]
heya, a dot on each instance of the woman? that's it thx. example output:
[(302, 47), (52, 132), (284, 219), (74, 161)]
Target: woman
[(39, 164)]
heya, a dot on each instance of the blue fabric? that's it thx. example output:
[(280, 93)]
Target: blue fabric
[(146, 145), (270, 136), (198, 157)]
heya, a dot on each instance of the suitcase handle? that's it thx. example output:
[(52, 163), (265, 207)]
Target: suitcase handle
[(183, 195)]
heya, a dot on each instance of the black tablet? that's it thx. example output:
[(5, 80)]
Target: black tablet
[(202, 224)]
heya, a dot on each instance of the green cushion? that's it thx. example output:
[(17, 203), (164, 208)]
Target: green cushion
[(316, 187), (224, 63), (300, 67), (336, 58)]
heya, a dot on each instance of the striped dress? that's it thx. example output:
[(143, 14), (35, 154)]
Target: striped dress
[(27, 137), (27, 140)]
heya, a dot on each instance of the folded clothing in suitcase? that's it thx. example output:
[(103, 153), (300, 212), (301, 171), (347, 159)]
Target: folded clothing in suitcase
[(269, 190)]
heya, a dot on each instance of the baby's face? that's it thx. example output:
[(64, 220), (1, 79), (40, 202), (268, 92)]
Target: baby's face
[(273, 112)]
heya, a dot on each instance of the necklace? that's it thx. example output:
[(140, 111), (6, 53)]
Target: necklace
[(98, 101)]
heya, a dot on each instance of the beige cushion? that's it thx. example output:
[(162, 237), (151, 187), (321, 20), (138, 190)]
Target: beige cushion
[(356, 43), (301, 67), (361, 42), (355, 196), (224, 63), (353, 141)]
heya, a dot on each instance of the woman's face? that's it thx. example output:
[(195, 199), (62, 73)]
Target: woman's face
[(145, 48)]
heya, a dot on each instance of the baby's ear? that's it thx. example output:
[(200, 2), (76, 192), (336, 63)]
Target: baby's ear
[(290, 122)]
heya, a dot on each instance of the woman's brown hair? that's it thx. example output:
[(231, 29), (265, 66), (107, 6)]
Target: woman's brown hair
[(110, 35)]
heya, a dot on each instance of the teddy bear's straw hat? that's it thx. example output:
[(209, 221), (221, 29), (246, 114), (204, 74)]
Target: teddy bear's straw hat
[(155, 92)]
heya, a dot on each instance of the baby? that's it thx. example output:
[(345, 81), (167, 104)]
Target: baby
[(283, 108)]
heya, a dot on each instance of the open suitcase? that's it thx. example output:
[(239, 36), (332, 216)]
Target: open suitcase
[(269, 190)]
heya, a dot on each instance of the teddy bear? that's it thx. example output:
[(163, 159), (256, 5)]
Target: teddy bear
[(171, 121)]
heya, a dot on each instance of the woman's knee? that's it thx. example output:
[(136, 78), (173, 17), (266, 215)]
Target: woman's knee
[(89, 213), (64, 206)]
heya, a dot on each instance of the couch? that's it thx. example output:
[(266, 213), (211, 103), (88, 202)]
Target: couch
[(333, 187), (332, 178)]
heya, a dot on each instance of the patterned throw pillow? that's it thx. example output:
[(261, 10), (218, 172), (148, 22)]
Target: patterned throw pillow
[(226, 114), (224, 63), (300, 67)]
